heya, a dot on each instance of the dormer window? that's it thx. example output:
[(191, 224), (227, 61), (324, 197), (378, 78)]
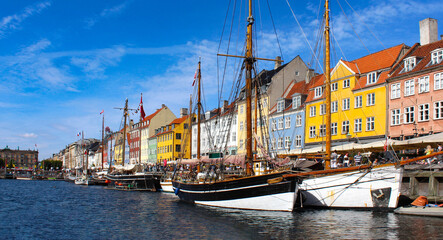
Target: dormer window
[(280, 105), (371, 78), (409, 63), (296, 102), (437, 56), (318, 92)]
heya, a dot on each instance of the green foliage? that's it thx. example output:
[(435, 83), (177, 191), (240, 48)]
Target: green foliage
[(47, 164)]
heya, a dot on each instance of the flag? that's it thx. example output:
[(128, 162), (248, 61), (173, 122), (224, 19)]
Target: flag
[(35, 145), (102, 111), (142, 111), (195, 77), (386, 145), (79, 133)]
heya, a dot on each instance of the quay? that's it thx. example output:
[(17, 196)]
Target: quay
[(423, 180)]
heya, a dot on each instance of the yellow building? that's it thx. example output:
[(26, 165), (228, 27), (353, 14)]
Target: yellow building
[(173, 141), (358, 99)]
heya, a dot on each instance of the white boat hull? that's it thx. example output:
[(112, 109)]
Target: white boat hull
[(378, 188), (421, 211), (167, 187), (275, 202), (81, 182)]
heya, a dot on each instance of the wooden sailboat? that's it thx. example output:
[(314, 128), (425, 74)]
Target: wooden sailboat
[(134, 181), (264, 192), (83, 178)]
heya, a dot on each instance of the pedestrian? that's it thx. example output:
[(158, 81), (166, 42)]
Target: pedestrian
[(357, 159), (334, 157), (346, 160)]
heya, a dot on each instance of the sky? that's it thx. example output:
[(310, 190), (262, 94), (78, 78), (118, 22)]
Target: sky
[(63, 62)]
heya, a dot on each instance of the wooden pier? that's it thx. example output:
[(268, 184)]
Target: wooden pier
[(423, 180)]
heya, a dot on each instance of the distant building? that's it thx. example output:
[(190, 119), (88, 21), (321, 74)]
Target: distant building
[(22, 159)]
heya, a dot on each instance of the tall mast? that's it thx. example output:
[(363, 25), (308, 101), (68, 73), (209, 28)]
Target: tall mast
[(103, 137), (199, 76), (248, 64), (327, 88), (84, 153), (255, 122), (125, 113), (190, 125), (140, 135)]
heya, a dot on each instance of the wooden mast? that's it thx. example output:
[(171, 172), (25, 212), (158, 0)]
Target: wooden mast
[(255, 122), (125, 113), (248, 65), (140, 132), (190, 125), (327, 89), (199, 108), (103, 137)]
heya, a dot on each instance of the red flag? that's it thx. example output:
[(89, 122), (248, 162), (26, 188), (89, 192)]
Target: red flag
[(386, 145), (195, 77), (102, 111), (142, 111)]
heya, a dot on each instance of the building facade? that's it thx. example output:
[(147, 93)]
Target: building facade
[(21, 159)]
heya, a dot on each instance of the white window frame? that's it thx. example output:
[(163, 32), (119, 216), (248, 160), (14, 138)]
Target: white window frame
[(346, 83), (346, 104), (358, 101), (312, 111), (395, 117), (409, 64), (312, 132), (424, 112), (370, 123), (409, 87), (371, 78), (274, 125), (436, 56), (395, 90), (280, 143), (280, 105), (288, 122), (241, 125), (273, 143), (280, 124), (322, 130), (322, 109), (357, 125), (334, 106), (318, 92), (334, 86), (438, 81), (298, 141), (298, 120), (287, 142), (438, 110), (423, 84), (296, 102), (370, 99), (334, 129), (345, 127), (409, 115)]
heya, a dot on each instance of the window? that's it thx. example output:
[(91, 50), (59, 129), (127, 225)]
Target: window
[(280, 143), (234, 137), (438, 110), (423, 112), (318, 92), (334, 128), (409, 87), (334, 86), (371, 78), (438, 81), (298, 140), (409, 115), (241, 126), (370, 124), (358, 101), (298, 120), (436, 56), (274, 125), (273, 143), (370, 99), (287, 122), (280, 105), (178, 136), (312, 130), (423, 84), (357, 125), (177, 148), (280, 123), (312, 111), (241, 109), (185, 126), (346, 83), (334, 106), (395, 117), (346, 103), (395, 90), (241, 143), (296, 102), (265, 103), (322, 109), (345, 127), (287, 142), (409, 64), (322, 131)]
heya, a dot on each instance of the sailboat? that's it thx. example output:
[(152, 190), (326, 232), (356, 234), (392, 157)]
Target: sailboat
[(127, 179), (83, 178), (271, 191), (362, 187)]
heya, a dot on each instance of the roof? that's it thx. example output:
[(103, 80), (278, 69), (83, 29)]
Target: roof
[(179, 120), (376, 61), (423, 53), (316, 81), (293, 88)]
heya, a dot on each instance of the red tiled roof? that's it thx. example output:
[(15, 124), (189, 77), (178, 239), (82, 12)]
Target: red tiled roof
[(316, 81), (294, 87), (380, 60), (179, 120), (423, 54)]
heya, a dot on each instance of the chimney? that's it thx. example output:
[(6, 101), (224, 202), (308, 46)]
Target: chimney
[(277, 63), (428, 31), (309, 75), (131, 123), (183, 112)]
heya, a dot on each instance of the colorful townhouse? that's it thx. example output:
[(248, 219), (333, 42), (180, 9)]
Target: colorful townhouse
[(134, 142), (173, 140), (218, 132), (416, 87), (358, 100), (271, 85), (287, 120), (150, 123)]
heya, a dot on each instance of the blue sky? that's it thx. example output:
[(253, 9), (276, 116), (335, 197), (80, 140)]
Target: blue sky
[(62, 62)]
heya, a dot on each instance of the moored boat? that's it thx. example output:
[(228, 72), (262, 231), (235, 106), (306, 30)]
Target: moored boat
[(420, 211)]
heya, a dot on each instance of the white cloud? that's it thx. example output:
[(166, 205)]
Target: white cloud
[(95, 65), (105, 13), (29, 135), (13, 22)]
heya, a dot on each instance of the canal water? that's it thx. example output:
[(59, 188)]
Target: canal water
[(61, 210)]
